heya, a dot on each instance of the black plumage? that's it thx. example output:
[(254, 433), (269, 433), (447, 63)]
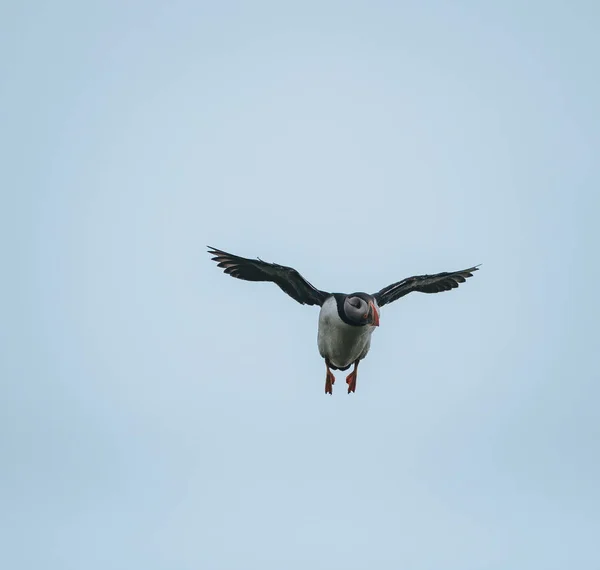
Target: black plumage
[(423, 284), (286, 278), (292, 283)]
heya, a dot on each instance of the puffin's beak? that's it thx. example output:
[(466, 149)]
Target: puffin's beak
[(374, 315)]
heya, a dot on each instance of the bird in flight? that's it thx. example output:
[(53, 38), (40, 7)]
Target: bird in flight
[(346, 322)]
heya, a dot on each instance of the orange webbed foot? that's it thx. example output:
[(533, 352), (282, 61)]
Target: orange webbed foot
[(329, 381), (351, 379)]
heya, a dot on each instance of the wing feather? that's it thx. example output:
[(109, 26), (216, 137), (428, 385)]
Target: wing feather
[(286, 278), (423, 284)]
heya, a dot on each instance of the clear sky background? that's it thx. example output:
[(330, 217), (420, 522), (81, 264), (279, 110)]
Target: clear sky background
[(157, 414)]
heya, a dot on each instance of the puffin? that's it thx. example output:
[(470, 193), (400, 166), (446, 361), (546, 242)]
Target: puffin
[(346, 321)]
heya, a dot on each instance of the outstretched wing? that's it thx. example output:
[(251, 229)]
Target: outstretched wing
[(286, 278), (423, 284)]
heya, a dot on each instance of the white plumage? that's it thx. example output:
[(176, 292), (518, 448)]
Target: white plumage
[(338, 342)]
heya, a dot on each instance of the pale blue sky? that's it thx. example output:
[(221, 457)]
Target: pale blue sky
[(156, 414)]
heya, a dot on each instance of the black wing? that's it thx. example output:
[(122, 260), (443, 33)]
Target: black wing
[(286, 278), (423, 284)]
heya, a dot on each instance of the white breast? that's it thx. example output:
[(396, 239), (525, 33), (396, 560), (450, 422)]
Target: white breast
[(340, 343)]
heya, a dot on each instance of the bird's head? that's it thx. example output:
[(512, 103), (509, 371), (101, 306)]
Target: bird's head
[(361, 309)]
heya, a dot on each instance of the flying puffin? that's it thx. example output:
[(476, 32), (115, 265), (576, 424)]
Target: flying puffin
[(346, 322)]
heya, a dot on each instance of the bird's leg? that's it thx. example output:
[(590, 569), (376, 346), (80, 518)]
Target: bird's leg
[(329, 379), (351, 379)]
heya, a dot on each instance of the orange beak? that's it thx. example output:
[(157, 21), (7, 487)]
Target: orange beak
[(374, 315)]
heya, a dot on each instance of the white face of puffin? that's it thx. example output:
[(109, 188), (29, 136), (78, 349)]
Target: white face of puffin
[(359, 311)]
